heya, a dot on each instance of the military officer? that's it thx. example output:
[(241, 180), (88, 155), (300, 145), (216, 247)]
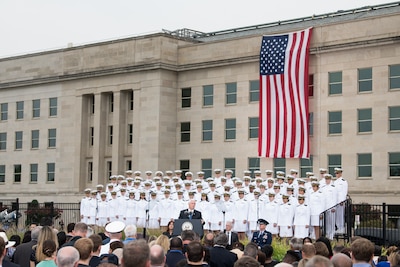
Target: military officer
[(262, 237)]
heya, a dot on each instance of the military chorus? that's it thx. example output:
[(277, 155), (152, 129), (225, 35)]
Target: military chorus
[(290, 206)]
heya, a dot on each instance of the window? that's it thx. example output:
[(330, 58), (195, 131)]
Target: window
[(129, 164), (185, 131), (311, 123), (109, 168), (230, 164), (2, 173), (254, 165), (4, 111), (34, 173), (18, 140), (306, 165), (279, 165), (130, 134), (184, 165), (207, 126), (53, 106), (51, 172), (90, 171), (254, 91), (52, 137), (230, 129), (92, 104), (364, 120), (335, 122), (231, 89), (335, 83), (91, 136), (20, 110), (17, 173), (364, 165), (186, 96), (36, 108), (206, 167), (35, 139), (311, 85), (334, 161), (394, 164), (365, 80), (111, 102), (3, 141), (394, 77), (253, 127), (131, 101), (394, 118), (208, 95), (110, 135)]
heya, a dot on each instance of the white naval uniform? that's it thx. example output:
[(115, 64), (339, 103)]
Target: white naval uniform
[(270, 214), (241, 210), (141, 207), (102, 213), (342, 190), (301, 222), (130, 213), (285, 220)]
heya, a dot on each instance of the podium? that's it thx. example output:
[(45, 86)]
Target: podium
[(187, 224)]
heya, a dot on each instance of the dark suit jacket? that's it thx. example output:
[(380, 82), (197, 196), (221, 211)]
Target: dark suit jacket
[(234, 239), (265, 239), (7, 263), (221, 257), (23, 252), (184, 214)]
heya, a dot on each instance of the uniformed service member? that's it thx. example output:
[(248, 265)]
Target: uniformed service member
[(262, 237)]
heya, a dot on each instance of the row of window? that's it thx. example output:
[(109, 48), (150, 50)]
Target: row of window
[(35, 137), (364, 125), (364, 165), (33, 173), (20, 109), (128, 94), (335, 85)]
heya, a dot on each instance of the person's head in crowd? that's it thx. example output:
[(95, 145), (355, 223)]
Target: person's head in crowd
[(136, 254), (327, 242), (46, 221), (2, 248), (195, 252), (221, 240), (319, 261), (394, 258), (188, 236), (70, 228), (67, 257), (341, 260), (321, 249), (85, 247), (308, 251), (163, 241), (291, 256), (337, 249), (130, 231), (362, 250), (247, 261), (114, 245), (261, 258), (346, 251), (307, 240), (109, 258), (238, 245), (33, 225), (208, 240), (97, 242), (80, 229), (49, 248), (175, 243), (35, 233), (296, 243), (157, 256), (268, 251), (251, 250), (46, 233), (62, 238), (391, 249), (283, 264), (16, 239), (27, 237)]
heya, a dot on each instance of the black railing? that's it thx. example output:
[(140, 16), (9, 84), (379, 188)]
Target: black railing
[(16, 214), (378, 223)]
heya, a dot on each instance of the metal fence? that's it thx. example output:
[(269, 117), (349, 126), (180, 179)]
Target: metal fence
[(17, 214), (378, 223)]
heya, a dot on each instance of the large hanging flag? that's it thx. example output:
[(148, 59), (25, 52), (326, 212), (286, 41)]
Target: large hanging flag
[(283, 125)]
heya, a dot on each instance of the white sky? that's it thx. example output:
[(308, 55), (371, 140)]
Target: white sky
[(37, 25)]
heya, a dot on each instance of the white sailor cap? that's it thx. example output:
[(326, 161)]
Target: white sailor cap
[(115, 227)]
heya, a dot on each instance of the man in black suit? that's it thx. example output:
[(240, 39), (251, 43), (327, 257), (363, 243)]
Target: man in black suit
[(23, 252), (4, 244), (232, 236), (219, 255), (191, 213)]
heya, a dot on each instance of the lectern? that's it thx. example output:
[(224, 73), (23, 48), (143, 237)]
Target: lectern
[(186, 224)]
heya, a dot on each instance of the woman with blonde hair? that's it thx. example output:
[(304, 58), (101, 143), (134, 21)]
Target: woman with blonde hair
[(163, 241), (49, 250), (46, 233)]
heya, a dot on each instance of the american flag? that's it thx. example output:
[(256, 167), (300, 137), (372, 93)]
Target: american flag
[(283, 125)]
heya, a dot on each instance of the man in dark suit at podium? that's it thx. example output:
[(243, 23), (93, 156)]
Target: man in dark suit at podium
[(191, 213)]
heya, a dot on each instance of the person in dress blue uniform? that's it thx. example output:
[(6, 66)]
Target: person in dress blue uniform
[(262, 237)]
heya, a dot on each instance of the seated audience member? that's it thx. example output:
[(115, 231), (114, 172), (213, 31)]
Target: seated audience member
[(341, 260), (175, 254), (362, 252), (136, 254), (247, 261)]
